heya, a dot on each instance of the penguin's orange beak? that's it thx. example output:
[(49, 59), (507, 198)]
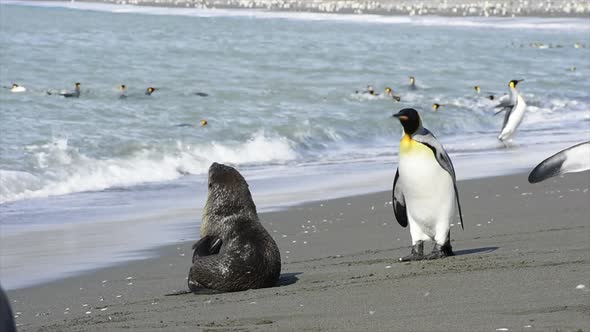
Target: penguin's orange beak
[(401, 117)]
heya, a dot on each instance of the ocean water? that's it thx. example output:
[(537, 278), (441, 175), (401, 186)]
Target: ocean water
[(129, 174)]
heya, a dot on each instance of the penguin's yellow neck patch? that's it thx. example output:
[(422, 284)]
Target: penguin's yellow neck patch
[(406, 144), (512, 85), (411, 146)]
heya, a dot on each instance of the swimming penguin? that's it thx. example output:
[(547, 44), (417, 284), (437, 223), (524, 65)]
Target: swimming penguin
[(514, 106), (75, 94), (389, 92), (17, 88), (150, 90), (413, 83), (571, 160), (204, 123), (490, 95), (436, 106), (122, 91), (424, 189), (201, 94), (371, 91)]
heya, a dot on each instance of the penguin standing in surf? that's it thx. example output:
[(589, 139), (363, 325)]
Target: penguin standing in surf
[(424, 189), (412, 85), (514, 106), (122, 91)]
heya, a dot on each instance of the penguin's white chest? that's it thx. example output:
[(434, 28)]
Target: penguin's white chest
[(516, 116), (428, 189), (18, 89)]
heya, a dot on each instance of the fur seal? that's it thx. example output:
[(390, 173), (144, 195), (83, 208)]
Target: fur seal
[(235, 252)]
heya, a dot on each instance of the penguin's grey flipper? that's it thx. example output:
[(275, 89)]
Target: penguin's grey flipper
[(504, 101), (572, 159), (427, 138), (504, 109), (399, 203), (417, 253)]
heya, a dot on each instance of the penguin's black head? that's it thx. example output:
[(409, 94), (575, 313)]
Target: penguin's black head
[(77, 85), (513, 83), (410, 120)]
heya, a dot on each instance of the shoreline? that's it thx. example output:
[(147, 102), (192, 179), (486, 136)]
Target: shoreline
[(519, 262), (448, 8)]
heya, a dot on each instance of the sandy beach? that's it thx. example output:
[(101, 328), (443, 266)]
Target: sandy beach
[(522, 264)]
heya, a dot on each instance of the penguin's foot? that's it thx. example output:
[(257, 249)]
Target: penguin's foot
[(440, 251), (411, 258), (417, 253)]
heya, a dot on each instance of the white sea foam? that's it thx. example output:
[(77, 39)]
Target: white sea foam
[(63, 170), (472, 22)]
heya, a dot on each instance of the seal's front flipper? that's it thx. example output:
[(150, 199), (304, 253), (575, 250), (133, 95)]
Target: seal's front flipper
[(207, 245), (215, 246)]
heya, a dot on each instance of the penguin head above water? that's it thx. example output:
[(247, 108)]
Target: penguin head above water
[(77, 85), (410, 120), (388, 90), (412, 80), (122, 87), (150, 90), (513, 83), (477, 88), (436, 106)]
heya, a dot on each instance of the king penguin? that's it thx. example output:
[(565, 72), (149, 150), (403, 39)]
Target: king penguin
[(424, 189), (122, 91), (412, 85), (573, 159), (17, 88), (75, 94), (514, 106)]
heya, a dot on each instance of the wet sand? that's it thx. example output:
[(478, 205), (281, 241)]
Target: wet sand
[(520, 266)]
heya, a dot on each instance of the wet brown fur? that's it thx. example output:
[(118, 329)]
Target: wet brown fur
[(235, 252)]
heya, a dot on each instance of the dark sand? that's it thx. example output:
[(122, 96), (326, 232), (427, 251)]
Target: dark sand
[(519, 266)]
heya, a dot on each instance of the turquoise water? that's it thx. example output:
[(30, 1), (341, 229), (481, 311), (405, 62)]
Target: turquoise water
[(281, 106)]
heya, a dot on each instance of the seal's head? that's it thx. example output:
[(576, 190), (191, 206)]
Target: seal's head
[(228, 195)]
